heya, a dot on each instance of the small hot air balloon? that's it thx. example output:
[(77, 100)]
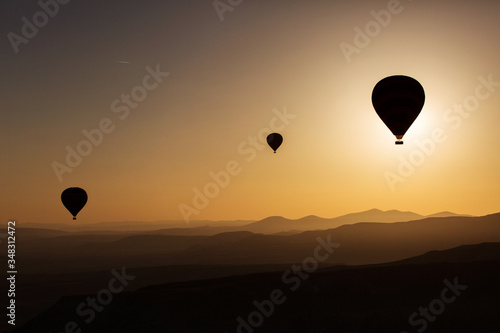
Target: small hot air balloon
[(274, 140), (74, 198), (398, 101)]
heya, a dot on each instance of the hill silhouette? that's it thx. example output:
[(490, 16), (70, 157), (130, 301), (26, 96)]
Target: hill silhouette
[(464, 253), (276, 224), (447, 214), (364, 299), (55, 262), (133, 226), (269, 225), (361, 243)]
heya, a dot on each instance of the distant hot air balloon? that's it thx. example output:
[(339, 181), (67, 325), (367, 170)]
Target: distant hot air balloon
[(274, 140), (398, 101), (74, 198)]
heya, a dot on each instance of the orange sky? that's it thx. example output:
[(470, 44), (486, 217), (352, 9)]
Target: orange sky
[(227, 81)]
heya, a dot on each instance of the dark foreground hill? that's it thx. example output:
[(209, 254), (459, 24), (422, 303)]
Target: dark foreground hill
[(435, 297), (38, 292)]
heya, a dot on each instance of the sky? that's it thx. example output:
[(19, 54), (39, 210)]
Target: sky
[(177, 98)]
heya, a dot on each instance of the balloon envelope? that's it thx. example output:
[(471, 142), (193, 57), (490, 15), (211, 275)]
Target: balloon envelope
[(398, 101), (274, 140), (74, 198)]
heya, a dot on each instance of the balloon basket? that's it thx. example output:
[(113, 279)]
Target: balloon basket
[(399, 142)]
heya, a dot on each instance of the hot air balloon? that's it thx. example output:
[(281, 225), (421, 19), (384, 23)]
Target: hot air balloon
[(274, 140), (398, 101), (74, 198)]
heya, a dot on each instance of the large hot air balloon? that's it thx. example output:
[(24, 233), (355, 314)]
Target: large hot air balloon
[(274, 140), (74, 198), (398, 101)]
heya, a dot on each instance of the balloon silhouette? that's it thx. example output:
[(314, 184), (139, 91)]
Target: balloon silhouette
[(74, 198), (398, 101), (274, 140)]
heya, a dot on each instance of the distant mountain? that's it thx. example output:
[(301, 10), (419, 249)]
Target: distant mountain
[(39, 241), (28, 234), (360, 244), (269, 225), (446, 214), (277, 224), (133, 226), (377, 215), (198, 231)]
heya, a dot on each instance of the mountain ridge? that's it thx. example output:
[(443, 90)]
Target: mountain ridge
[(267, 225)]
